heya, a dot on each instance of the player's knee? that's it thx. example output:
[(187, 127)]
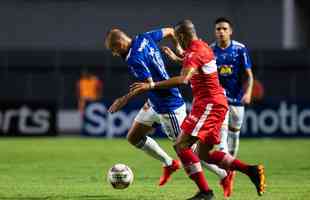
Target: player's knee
[(132, 140), (138, 143)]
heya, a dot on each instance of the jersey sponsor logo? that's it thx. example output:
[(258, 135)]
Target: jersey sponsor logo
[(210, 67), (225, 70)]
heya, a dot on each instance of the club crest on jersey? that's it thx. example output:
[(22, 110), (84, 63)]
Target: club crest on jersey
[(225, 70)]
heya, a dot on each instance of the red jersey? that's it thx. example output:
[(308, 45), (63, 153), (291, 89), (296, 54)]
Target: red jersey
[(205, 83)]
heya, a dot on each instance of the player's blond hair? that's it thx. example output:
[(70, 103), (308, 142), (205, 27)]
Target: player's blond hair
[(113, 36)]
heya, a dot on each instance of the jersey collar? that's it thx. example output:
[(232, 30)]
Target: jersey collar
[(230, 43)]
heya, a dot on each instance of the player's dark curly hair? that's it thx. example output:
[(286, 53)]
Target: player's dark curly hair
[(223, 19)]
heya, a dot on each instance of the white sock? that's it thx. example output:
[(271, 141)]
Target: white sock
[(221, 173), (223, 146), (152, 148), (233, 143)]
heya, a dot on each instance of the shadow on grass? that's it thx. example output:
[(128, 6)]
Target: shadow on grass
[(60, 197)]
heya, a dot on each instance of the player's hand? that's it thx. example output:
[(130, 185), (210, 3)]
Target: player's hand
[(246, 99), (118, 104), (140, 87), (170, 53)]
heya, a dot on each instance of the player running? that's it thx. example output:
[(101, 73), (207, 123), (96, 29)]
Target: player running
[(208, 112), (165, 106)]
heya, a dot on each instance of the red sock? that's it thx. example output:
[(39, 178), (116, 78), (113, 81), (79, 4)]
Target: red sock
[(193, 168), (240, 166), (226, 161)]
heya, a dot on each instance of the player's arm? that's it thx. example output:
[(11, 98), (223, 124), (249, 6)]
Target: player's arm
[(172, 56), (249, 86), (182, 79), (169, 33), (159, 34), (247, 64), (120, 102)]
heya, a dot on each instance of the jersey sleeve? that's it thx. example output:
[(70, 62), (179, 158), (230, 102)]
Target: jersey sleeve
[(139, 69), (245, 58), (191, 60), (156, 35)]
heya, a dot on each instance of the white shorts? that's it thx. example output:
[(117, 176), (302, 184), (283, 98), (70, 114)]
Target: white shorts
[(169, 121), (234, 117)]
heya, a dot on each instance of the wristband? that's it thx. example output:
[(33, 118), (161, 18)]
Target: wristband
[(152, 85)]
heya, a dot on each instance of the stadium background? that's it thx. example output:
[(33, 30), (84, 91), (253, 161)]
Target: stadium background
[(44, 46)]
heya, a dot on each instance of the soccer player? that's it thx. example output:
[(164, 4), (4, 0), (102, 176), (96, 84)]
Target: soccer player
[(234, 65), (164, 106), (208, 112)]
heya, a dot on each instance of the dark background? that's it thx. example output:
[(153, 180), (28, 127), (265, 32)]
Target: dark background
[(44, 44)]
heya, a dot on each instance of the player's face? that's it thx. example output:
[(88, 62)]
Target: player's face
[(115, 49), (118, 48), (223, 31)]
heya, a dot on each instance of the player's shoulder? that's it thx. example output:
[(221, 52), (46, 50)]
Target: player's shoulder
[(144, 37), (238, 45)]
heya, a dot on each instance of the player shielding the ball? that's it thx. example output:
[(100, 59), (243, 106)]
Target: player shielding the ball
[(208, 112)]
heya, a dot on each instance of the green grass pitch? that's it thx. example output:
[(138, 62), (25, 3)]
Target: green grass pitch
[(75, 169)]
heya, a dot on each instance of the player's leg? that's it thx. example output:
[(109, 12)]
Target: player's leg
[(226, 161), (256, 172), (137, 136), (221, 173), (193, 129), (236, 115), (171, 126), (212, 126), (172, 121), (223, 146), (192, 166), (225, 182)]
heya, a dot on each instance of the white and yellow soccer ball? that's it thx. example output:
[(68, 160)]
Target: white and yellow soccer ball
[(120, 176)]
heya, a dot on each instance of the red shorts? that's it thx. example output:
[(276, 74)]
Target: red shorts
[(205, 122)]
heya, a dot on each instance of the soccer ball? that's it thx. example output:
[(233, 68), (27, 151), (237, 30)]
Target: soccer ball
[(120, 176)]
